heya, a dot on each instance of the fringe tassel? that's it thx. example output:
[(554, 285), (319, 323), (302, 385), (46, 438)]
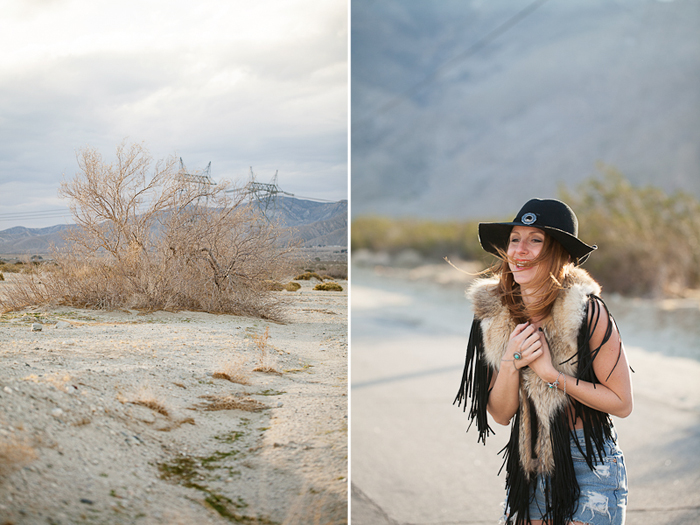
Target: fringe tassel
[(562, 490), (476, 379), (597, 426), (519, 487)]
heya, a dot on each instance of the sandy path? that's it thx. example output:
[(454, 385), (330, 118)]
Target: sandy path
[(67, 397), (412, 462)]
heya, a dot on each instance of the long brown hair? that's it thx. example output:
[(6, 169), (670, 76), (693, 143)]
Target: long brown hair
[(553, 266)]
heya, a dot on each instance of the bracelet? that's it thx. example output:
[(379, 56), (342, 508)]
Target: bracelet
[(556, 382), (513, 360)]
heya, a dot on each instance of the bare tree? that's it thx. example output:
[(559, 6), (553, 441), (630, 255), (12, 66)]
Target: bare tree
[(148, 237)]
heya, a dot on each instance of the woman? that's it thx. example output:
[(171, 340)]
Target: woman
[(545, 354)]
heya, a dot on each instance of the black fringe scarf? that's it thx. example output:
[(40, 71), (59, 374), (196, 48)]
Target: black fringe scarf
[(562, 490)]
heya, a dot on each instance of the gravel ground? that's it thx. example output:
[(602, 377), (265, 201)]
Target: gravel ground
[(118, 417)]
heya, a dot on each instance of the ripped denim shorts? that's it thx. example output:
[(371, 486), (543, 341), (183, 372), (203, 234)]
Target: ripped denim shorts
[(603, 498)]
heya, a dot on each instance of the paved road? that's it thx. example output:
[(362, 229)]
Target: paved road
[(411, 461)]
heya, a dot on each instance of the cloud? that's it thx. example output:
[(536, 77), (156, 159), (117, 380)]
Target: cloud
[(240, 84)]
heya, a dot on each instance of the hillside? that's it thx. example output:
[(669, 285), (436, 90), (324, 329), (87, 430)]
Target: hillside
[(314, 223), (456, 114)]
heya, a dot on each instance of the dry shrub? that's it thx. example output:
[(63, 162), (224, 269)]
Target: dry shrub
[(14, 455), (329, 287), (18, 267), (234, 371), (337, 271), (431, 239), (152, 238), (292, 286), (231, 402), (307, 276), (267, 363), (274, 286), (260, 340), (648, 241)]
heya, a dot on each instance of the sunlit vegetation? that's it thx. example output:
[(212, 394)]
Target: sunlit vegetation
[(648, 241)]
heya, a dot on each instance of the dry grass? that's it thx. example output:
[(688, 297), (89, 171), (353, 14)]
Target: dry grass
[(14, 455), (146, 398), (177, 424), (274, 286), (337, 271), (58, 380), (153, 405), (260, 340), (230, 402), (329, 287), (307, 276), (234, 371), (292, 286), (267, 363)]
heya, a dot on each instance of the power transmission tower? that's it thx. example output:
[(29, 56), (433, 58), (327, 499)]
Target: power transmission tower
[(201, 181), (263, 194)]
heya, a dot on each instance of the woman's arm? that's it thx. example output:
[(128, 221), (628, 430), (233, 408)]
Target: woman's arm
[(503, 396), (614, 393)]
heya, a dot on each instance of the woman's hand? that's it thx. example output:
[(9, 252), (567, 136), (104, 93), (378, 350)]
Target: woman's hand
[(542, 365), (525, 341)]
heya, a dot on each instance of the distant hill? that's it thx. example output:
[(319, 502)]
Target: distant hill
[(453, 118), (314, 223), (21, 240)]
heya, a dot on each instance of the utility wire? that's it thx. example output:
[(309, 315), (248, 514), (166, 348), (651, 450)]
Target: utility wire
[(64, 213), (33, 215), (445, 66)]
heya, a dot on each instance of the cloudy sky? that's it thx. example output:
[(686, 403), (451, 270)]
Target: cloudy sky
[(237, 83)]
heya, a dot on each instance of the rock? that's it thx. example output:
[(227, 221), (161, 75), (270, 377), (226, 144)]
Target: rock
[(63, 325), (36, 327), (7, 389), (57, 412)]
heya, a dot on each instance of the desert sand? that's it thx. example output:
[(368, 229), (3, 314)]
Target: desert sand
[(122, 417)]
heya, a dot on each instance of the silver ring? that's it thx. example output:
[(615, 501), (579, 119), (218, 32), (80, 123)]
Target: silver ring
[(517, 356)]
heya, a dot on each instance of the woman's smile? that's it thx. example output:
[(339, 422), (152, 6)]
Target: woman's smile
[(524, 245)]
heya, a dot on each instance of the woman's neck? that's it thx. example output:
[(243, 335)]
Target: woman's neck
[(529, 299), (528, 296)]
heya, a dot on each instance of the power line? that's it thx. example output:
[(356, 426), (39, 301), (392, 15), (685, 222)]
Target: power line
[(34, 215), (442, 68)]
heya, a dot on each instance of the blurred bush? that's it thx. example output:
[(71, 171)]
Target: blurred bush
[(648, 241), (431, 239)]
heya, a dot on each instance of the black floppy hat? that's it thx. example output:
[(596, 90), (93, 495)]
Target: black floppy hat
[(554, 217)]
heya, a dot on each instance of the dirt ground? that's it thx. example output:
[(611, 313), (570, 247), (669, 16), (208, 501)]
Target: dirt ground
[(118, 417)]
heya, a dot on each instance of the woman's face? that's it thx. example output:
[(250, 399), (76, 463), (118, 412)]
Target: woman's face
[(525, 244)]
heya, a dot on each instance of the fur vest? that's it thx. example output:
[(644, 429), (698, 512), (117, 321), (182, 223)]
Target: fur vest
[(539, 442)]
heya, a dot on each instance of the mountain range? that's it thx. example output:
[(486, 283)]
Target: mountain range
[(466, 109), (313, 223)]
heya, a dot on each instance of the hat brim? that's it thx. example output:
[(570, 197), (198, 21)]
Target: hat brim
[(495, 235)]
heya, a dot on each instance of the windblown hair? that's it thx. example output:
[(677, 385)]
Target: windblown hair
[(553, 266)]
